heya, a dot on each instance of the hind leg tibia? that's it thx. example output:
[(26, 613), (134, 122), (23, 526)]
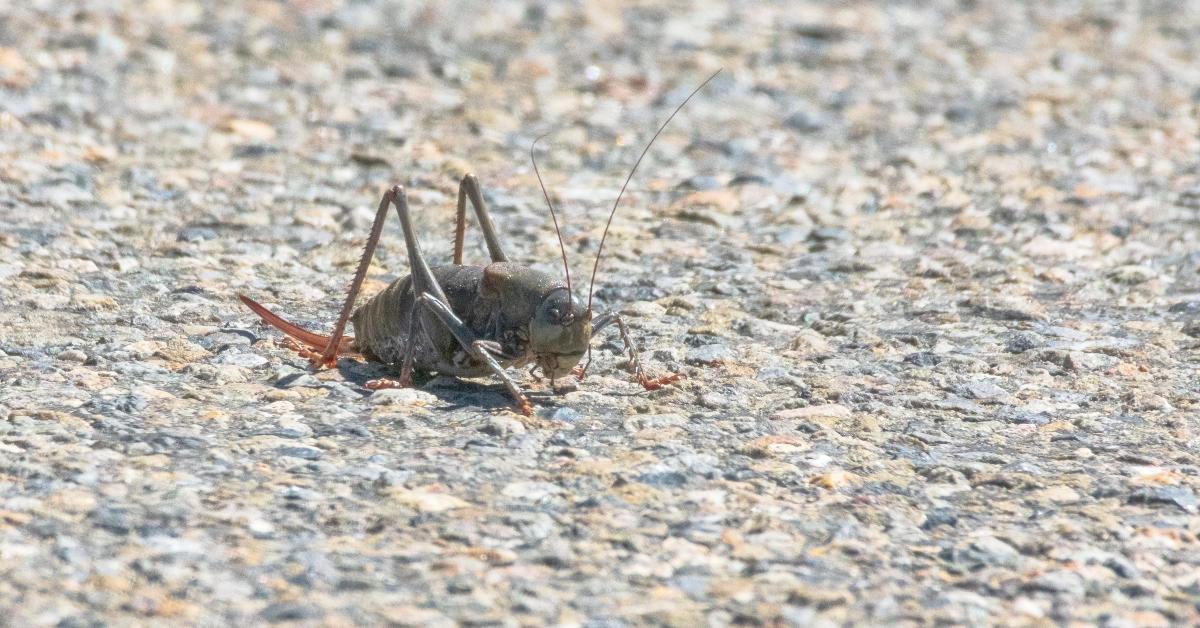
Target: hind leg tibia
[(469, 189)]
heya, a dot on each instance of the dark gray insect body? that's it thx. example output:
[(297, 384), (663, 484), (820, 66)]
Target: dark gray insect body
[(499, 302), (456, 319), (465, 320)]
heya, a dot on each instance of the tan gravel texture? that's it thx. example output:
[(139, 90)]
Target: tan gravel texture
[(931, 270)]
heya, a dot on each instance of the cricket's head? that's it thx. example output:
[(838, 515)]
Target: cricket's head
[(559, 332)]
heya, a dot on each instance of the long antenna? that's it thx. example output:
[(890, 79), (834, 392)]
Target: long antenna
[(603, 237), (553, 216)]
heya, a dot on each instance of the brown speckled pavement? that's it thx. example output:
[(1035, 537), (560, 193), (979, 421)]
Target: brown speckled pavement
[(932, 272)]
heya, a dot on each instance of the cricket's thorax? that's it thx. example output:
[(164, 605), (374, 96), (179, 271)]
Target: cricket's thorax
[(497, 302)]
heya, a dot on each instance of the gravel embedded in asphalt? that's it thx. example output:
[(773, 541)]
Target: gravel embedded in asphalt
[(930, 271)]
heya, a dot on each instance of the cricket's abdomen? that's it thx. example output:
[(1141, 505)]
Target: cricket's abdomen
[(381, 325)]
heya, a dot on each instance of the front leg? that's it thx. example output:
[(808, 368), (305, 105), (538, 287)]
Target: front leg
[(485, 351), (635, 359)]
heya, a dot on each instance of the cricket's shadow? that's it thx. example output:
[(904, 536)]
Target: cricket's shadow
[(456, 392)]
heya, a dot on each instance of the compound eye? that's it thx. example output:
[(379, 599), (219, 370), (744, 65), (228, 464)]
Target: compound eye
[(555, 313)]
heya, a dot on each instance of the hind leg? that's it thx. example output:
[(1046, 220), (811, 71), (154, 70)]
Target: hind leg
[(328, 357), (469, 189)]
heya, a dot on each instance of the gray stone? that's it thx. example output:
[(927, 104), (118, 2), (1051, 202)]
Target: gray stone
[(709, 354), (300, 451)]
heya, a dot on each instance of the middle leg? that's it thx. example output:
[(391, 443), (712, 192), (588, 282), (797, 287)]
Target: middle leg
[(410, 351)]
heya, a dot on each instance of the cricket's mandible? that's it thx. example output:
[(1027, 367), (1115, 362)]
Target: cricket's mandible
[(470, 321)]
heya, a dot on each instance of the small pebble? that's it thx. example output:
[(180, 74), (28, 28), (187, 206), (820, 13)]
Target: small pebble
[(72, 355), (709, 354), (300, 451)]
